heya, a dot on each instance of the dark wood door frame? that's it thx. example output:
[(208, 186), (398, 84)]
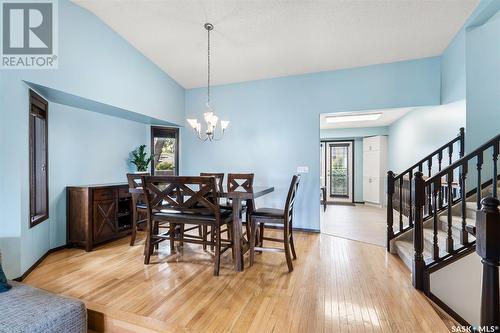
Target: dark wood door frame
[(326, 142), (175, 130)]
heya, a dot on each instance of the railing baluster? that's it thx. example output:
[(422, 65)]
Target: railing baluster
[(436, 186), (450, 153), (400, 203), (462, 141), (464, 239), (495, 171), (430, 205), (440, 196), (479, 167), (449, 238), (418, 236), (410, 212), (390, 213)]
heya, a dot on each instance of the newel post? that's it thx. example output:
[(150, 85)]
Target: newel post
[(488, 248), (390, 214), (418, 190)]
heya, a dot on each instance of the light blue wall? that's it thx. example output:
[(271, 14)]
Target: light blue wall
[(421, 131), (97, 150), (483, 82), (453, 70), (96, 64), (274, 123), (356, 134)]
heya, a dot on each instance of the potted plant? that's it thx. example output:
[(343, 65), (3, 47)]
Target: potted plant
[(141, 159)]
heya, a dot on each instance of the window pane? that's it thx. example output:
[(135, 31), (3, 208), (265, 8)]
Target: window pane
[(38, 160), (164, 143), (164, 156)]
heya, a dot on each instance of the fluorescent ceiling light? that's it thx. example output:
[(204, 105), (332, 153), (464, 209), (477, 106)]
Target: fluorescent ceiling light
[(352, 117)]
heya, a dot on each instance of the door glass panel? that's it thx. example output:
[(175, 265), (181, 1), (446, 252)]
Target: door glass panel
[(339, 170)]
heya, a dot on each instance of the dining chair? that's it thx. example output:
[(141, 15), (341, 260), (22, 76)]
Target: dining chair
[(219, 181), (280, 217), (179, 200), (138, 202), (241, 182)]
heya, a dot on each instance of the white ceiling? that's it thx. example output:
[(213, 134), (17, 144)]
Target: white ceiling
[(388, 117), (258, 39)]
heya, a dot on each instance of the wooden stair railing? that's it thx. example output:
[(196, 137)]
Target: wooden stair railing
[(423, 187), (400, 188)]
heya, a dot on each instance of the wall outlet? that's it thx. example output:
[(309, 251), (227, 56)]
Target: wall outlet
[(302, 169)]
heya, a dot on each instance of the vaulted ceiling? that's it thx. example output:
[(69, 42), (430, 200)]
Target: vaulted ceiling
[(262, 39)]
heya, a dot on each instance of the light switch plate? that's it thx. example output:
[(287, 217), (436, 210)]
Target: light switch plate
[(302, 169)]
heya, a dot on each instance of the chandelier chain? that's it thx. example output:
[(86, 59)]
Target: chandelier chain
[(208, 67)]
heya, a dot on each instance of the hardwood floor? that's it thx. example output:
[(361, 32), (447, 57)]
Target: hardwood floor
[(361, 222), (338, 285)]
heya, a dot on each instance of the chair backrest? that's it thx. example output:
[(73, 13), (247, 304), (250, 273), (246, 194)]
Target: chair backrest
[(241, 182), (290, 199), (219, 179), (134, 182), (190, 195)]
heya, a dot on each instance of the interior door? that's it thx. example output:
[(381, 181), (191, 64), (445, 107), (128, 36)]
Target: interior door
[(339, 171)]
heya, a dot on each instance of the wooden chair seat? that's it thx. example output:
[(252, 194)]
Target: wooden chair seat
[(269, 213), (179, 216)]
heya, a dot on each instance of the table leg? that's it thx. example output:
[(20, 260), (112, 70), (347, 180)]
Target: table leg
[(238, 255)]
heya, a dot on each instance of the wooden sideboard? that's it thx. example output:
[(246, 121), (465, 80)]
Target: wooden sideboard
[(97, 214)]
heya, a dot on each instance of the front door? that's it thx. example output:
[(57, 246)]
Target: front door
[(339, 171)]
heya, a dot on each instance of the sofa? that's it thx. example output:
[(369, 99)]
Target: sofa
[(25, 309)]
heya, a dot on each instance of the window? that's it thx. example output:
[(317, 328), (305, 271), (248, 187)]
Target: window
[(38, 148), (165, 148)]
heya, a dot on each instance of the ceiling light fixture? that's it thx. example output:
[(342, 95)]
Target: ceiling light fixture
[(210, 118), (352, 117)]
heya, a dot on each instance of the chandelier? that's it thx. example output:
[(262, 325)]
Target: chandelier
[(210, 118)]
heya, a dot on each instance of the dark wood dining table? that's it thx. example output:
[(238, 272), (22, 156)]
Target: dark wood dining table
[(236, 197)]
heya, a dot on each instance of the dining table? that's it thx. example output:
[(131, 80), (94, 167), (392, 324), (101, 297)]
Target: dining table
[(237, 197)]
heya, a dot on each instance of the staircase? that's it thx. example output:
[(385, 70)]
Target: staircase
[(403, 245), (432, 218)]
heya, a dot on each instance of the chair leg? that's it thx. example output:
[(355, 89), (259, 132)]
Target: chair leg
[(216, 230), (261, 234), (212, 238), (134, 226), (288, 256), (204, 235), (292, 246), (230, 237), (181, 232), (172, 236), (252, 236), (147, 244), (156, 232)]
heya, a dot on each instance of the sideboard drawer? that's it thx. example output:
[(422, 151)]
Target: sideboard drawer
[(105, 194)]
